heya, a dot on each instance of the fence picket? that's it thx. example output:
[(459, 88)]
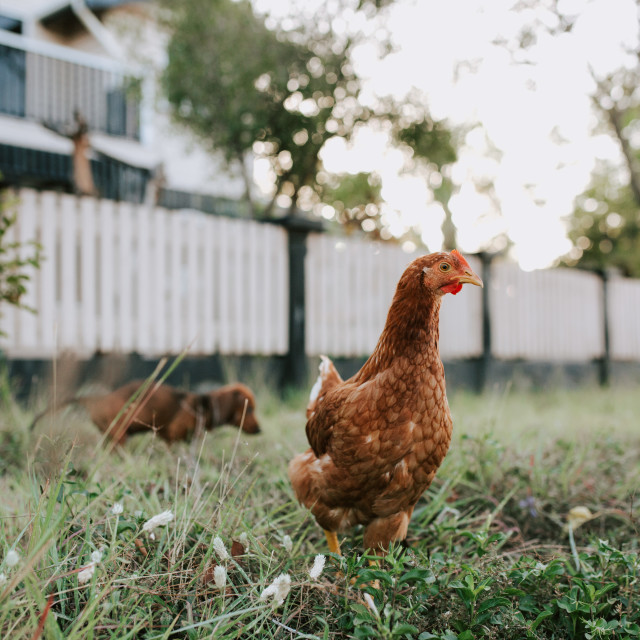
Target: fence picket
[(143, 294), (88, 272), (176, 338), (128, 278), (192, 285), (223, 286), (27, 233), (107, 280), (69, 328), (209, 330), (47, 275), (159, 312), (125, 272)]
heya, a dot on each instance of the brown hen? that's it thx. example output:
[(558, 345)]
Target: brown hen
[(378, 438)]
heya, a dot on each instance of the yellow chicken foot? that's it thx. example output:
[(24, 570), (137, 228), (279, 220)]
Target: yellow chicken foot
[(332, 541)]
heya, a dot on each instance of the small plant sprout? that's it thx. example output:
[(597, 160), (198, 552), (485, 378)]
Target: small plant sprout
[(117, 508), (159, 520), (287, 543), (12, 558), (220, 549), (220, 577), (278, 589), (318, 566)]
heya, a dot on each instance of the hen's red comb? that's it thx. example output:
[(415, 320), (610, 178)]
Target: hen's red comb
[(460, 257)]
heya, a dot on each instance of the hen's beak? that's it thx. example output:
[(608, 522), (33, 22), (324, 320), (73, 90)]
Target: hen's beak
[(470, 277)]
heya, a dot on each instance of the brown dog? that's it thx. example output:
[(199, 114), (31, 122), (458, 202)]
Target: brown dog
[(173, 414)]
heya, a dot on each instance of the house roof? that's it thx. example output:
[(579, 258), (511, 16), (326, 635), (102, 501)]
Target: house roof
[(18, 132), (64, 10)]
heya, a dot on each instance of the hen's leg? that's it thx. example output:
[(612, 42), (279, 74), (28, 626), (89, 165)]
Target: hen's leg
[(382, 531), (332, 541)]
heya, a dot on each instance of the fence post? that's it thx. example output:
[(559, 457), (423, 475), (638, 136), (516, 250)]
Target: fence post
[(487, 355), (295, 366), (605, 362)]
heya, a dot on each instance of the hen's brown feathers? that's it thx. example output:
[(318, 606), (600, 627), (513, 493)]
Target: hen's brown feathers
[(378, 438)]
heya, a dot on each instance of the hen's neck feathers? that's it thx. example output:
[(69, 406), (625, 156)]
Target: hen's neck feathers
[(411, 330)]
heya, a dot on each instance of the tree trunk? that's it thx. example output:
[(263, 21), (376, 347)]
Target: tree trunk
[(246, 178), (615, 117), (449, 240)]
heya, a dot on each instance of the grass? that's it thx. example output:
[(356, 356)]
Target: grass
[(492, 550)]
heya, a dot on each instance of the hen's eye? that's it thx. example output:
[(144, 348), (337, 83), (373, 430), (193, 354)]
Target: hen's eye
[(445, 266)]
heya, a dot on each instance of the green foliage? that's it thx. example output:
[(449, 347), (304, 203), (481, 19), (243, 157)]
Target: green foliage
[(243, 87), (605, 227), (14, 266), (475, 566), (246, 85), (356, 199)]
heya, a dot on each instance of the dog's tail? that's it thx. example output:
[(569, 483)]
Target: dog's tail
[(56, 407)]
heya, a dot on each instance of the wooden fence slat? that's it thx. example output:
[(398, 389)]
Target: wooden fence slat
[(48, 272), (252, 295), (159, 313), (239, 292), (223, 286), (209, 329), (282, 299), (88, 272), (125, 318), (69, 328), (27, 233), (176, 329), (8, 313), (107, 280), (144, 295), (624, 318), (192, 305)]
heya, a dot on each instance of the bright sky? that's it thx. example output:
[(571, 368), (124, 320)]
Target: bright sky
[(524, 110)]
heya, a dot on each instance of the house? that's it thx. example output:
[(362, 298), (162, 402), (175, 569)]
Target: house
[(80, 110)]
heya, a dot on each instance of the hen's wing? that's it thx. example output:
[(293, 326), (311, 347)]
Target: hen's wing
[(318, 431)]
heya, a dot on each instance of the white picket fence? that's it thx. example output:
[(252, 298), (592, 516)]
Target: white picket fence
[(350, 284), (124, 278), (117, 277)]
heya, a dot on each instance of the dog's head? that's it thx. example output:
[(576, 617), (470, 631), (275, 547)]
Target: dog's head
[(235, 404)]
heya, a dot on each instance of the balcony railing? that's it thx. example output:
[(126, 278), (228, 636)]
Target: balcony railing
[(47, 83)]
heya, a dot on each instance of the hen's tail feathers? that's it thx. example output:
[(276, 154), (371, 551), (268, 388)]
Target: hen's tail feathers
[(53, 408), (327, 378)]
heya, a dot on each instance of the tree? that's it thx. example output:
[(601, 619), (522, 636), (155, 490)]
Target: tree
[(431, 152), (604, 226), (356, 200), (246, 89), (248, 85)]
